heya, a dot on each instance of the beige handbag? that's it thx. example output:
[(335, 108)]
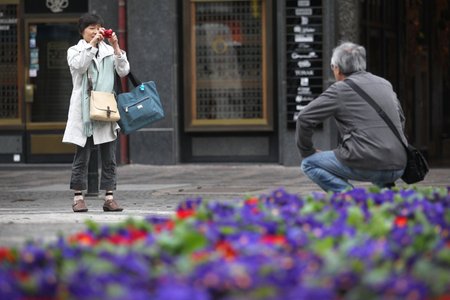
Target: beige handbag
[(103, 107)]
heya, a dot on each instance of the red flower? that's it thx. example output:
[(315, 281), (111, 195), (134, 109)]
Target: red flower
[(255, 210), (137, 234), (226, 249), (22, 276), (6, 255), (199, 256), (274, 239), (118, 239), (252, 201), (185, 213), (168, 225), (401, 221), (82, 238)]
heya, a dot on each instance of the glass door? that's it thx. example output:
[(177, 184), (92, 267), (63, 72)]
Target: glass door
[(48, 73), (48, 86)]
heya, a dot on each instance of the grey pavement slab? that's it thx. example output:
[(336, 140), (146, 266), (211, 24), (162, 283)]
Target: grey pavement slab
[(35, 202)]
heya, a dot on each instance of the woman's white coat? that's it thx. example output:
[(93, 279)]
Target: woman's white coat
[(79, 57)]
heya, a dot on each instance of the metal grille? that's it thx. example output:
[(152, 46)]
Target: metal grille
[(379, 34), (8, 62), (228, 60)]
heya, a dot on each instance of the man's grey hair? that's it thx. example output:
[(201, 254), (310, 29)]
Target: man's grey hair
[(349, 57)]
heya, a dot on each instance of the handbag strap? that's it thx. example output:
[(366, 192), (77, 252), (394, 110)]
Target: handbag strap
[(131, 77), (134, 80), (377, 108), (90, 88)]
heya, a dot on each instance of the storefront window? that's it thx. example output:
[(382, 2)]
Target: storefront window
[(9, 55), (228, 66)]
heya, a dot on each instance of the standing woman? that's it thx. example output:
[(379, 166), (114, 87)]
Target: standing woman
[(92, 57)]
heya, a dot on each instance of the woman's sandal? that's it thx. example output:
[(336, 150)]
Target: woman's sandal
[(111, 205), (79, 206)]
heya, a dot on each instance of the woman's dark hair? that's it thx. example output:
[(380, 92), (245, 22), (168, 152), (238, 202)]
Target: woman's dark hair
[(88, 19)]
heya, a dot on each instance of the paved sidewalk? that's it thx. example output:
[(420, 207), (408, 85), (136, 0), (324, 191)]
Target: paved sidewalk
[(35, 202)]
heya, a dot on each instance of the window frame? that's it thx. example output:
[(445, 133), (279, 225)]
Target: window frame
[(19, 82), (191, 123)]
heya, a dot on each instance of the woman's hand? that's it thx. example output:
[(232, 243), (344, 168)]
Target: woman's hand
[(114, 41), (97, 38)]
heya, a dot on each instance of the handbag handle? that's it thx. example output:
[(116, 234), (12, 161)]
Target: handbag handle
[(377, 108), (131, 77)]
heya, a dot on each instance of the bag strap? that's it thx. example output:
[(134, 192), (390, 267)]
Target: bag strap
[(131, 77), (134, 80), (377, 108), (89, 82)]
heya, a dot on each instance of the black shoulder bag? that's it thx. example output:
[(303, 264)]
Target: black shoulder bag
[(416, 165)]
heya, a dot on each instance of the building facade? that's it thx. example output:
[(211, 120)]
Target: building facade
[(232, 75)]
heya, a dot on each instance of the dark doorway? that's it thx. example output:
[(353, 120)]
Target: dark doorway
[(49, 72), (408, 43), (49, 83)]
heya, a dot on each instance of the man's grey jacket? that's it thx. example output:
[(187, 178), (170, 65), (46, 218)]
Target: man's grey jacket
[(366, 140)]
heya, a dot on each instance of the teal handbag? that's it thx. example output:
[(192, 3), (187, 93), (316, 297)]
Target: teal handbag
[(140, 107)]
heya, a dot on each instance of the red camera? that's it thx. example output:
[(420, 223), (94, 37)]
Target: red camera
[(107, 33)]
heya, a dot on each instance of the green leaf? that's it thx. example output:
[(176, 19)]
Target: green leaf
[(184, 239), (327, 217), (202, 213), (227, 230), (323, 246), (376, 276), (447, 216), (357, 266), (355, 216), (115, 290), (379, 225), (263, 292), (444, 256), (373, 189), (97, 265), (93, 226), (399, 199), (435, 276), (184, 264), (312, 207), (193, 241)]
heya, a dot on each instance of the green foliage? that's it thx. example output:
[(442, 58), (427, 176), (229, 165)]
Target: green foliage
[(183, 240)]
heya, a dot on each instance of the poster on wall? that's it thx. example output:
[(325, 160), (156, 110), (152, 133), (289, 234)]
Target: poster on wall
[(34, 52), (303, 56)]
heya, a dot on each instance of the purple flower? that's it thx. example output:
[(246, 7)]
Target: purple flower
[(384, 197), (311, 292), (402, 287), (179, 291), (222, 210), (278, 246), (9, 286)]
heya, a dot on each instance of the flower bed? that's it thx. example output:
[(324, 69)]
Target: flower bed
[(356, 245)]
